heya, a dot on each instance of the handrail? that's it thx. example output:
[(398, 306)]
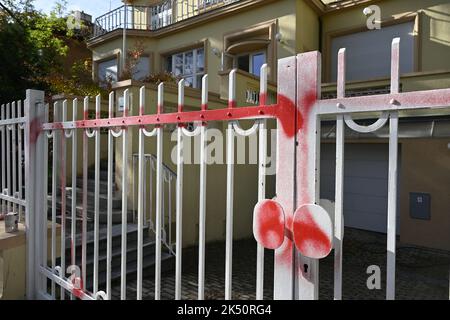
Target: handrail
[(170, 178)]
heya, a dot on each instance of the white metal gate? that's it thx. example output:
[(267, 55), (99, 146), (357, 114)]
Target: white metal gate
[(293, 224)]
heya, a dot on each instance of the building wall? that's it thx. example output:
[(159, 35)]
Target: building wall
[(432, 28), (282, 13), (308, 28), (425, 168)]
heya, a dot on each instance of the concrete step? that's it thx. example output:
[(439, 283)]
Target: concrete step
[(91, 185), (103, 214), (116, 236), (102, 197)]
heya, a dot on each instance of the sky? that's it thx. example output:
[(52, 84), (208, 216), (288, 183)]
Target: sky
[(93, 7)]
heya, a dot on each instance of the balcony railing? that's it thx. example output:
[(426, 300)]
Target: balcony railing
[(154, 17)]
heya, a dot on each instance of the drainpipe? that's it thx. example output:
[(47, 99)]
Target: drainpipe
[(124, 43)]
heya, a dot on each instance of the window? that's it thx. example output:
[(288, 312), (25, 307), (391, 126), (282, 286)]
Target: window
[(251, 62), (189, 65), (369, 53), (107, 71)]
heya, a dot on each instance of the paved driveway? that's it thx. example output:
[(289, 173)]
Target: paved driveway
[(421, 273)]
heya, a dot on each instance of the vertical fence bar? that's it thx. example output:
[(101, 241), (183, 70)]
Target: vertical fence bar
[(62, 170), (3, 128), (33, 116), (73, 232), (8, 158), (261, 181), (20, 155), (230, 191), (307, 162), (159, 186), (54, 194), (141, 181), (43, 198), (393, 162), (339, 192), (84, 195), (179, 196), (96, 194), (109, 199), (202, 204), (14, 155), (123, 267), (284, 260)]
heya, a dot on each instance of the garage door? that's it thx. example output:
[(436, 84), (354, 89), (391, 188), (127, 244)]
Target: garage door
[(365, 183)]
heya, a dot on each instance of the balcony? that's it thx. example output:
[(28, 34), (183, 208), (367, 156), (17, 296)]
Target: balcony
[(154, 17)]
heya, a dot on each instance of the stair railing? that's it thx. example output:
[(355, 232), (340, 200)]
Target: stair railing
[(169, 184)]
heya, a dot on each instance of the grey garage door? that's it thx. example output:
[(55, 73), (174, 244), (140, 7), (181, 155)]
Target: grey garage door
[(365, 183)]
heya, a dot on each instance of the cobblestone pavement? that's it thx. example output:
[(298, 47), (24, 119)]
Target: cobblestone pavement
[(421, 273)]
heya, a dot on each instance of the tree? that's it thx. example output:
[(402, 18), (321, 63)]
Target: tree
[(33, 47)]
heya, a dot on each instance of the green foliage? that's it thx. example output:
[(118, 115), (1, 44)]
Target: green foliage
[(34, 47), (80, 82)]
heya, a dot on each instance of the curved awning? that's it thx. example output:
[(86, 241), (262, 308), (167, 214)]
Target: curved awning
[(248, 46)]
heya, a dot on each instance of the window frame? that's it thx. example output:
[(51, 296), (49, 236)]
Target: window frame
[(195, 73), (103, 60), (250, 55)]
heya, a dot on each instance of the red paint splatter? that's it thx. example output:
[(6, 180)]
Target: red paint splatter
[(268, 226), (77, 290), (309, 238), (305, 105), (286, 113)]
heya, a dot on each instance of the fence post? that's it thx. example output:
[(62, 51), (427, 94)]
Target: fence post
[(34, 193)]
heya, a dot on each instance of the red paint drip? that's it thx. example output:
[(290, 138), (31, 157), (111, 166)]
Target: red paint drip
[(204, 106), (309, 238), (306, 103), (284, 253), (269, 224), (262, 99), (232, 104), (305, 106), (180, 108)]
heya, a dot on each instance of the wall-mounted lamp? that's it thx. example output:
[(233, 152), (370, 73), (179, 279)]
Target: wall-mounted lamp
[(367, 11), (279, 37), (216, 52)]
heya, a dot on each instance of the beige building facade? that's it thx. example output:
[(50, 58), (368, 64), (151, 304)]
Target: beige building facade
[(193, 38)]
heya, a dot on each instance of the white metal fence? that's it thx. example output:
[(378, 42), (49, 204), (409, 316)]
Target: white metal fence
[(278, 224), (12, 126)]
